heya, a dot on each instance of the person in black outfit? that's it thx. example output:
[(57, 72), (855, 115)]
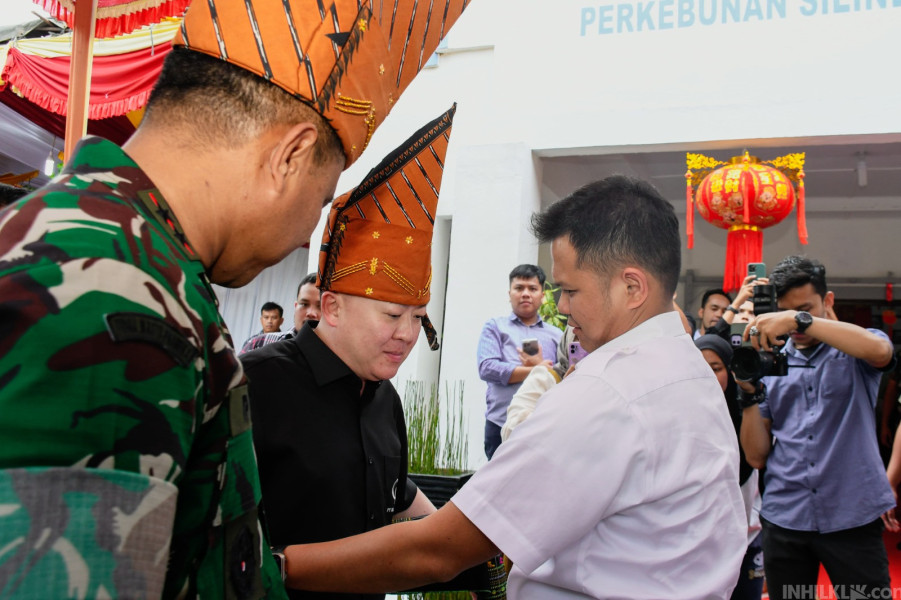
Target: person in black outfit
[(328, 426), (331, 447)]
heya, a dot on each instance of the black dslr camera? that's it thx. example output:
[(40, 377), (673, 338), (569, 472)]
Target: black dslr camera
[(749, 364)]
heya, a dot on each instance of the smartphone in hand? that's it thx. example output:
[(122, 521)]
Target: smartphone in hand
[(576, 353), (758, 270), (530, 346)]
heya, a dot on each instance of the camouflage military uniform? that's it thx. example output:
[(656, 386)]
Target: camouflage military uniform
[(126, 464)]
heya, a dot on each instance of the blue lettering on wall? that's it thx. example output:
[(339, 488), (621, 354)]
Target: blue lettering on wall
[(624, 16), (653, 15), (775, 5), (810, 8), (687, 13), (666, 14), (644, 15), (708, 19), (731, 10), (604, 26), (589, 16), (753, 11)]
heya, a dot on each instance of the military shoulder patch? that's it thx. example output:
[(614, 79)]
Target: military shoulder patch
[(150, 329)]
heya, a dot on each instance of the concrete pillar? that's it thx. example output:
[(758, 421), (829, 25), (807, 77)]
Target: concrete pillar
[(496, 191)]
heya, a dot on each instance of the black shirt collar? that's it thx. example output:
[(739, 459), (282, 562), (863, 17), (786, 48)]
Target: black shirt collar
[(327, 367)]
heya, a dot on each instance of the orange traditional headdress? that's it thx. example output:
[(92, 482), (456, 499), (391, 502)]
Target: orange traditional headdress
[(350, 60), (378, 240)]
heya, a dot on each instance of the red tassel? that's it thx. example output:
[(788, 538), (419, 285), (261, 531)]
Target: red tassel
[(802, 217), (689, 211), (744, 244)]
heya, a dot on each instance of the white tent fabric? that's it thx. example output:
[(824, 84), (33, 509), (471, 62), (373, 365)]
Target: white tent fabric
[(9, 31), (241, 306), (24, 146)]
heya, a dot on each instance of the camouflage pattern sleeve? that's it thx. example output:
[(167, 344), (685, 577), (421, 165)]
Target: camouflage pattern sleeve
[(127, 468)]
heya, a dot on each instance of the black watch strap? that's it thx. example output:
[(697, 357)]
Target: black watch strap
[(732, 309), (747, 400), (803, 320), (278, 553)]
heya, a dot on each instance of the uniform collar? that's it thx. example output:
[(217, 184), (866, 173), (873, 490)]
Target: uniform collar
[(97, 160)]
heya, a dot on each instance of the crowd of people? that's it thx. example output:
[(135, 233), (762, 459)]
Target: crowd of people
[(639, 453)]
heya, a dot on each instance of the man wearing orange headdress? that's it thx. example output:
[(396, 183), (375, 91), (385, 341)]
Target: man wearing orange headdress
[(329, 427), (127, 465)]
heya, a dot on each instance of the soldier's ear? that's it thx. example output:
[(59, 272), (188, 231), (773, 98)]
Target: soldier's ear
[(293, 154)]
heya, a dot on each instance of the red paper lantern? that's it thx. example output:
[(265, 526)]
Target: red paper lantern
[(744, 197)]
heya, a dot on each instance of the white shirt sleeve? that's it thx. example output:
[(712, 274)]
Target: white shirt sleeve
[(539, 380)]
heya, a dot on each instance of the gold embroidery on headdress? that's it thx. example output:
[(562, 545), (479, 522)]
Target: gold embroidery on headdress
[(428, 285), (353, 106), (398, 278), (349, 270)]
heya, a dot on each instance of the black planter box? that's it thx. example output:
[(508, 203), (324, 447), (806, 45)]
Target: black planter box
[(439, 488)]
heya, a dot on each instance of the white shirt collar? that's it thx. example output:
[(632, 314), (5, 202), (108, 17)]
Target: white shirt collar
[(667, 324)]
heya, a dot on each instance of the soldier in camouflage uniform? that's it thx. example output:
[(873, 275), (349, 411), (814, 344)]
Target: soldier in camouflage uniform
[(127, 467), (126, 438)]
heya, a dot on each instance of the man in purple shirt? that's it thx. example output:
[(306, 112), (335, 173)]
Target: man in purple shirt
[(503, 364), (826, 498)]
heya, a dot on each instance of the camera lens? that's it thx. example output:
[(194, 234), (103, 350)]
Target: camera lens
[(746, 364)]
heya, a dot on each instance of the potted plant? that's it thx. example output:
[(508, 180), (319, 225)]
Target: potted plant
[(438, 447)]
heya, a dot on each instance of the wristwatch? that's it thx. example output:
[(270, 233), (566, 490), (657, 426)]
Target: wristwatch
[(746, 400), (279, 555), (803, 320), (732, 309)]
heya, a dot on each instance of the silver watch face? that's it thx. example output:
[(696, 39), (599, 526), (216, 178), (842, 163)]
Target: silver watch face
[(280, 561)]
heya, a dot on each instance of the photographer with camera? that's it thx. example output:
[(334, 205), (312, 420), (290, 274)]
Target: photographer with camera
[(810, 420)]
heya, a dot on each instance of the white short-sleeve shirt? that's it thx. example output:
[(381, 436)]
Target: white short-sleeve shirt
[(624, 481)]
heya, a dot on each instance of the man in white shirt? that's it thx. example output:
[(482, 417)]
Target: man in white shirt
[(624, 481)]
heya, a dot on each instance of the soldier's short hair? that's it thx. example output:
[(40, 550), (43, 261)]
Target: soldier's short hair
[(216, 102), (10, 193)]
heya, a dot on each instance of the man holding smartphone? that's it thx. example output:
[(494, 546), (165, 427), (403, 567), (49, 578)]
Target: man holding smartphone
[(511, 346)]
